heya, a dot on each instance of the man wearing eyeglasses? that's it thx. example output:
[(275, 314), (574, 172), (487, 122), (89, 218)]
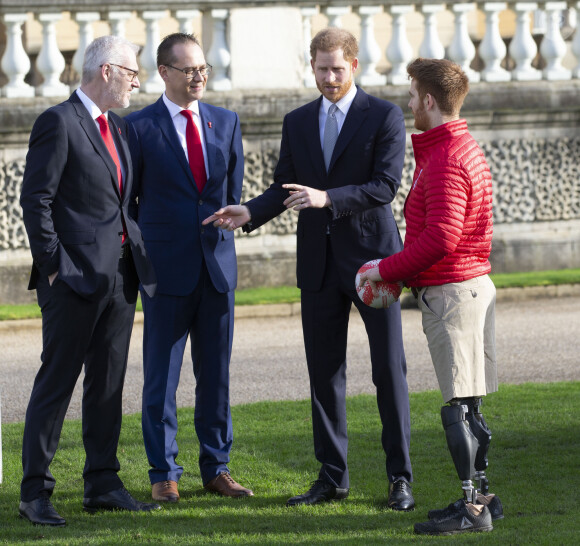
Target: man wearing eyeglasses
[(88, 258), (188, 161)]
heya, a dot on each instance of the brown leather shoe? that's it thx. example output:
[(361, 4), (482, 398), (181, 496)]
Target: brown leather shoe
[(165, 491), (225, 485)]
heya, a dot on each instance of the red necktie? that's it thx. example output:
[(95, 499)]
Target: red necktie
[(194, 151), (108, 138)]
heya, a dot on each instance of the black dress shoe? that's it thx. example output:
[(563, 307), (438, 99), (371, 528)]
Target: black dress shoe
[(119, 499), (400, 496), (319, 492), (40, 511)]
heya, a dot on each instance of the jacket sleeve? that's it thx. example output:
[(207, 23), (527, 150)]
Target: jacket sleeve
[(45, 163), (446, 192)]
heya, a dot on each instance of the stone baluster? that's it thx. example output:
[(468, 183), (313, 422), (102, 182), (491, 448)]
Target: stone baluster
[(431, 46), (50, 61), (148, 58), (307, 14), (576, 44), (85, 19), (553, 47), (492, 48), (117, 21), (185, 19), (399, 50), (335, 13), (461, 50), (15, 62), (523, 48), (219, 55), (369, 50), (539, 22)]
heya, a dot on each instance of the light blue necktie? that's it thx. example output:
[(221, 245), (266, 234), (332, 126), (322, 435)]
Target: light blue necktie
[(330, 134)]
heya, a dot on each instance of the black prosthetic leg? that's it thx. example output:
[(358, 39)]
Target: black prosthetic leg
[(462, 444)]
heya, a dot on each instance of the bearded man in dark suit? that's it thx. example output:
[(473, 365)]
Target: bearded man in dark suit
[(340, 165)]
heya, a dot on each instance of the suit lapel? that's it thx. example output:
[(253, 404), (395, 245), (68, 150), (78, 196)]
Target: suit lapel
[(312, 129), (357, 113), (90, 128), (170, 134), (208, 129), (123, 153)]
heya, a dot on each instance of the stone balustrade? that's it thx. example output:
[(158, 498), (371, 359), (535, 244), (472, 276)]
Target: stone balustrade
[(523, 107), (265, 43)]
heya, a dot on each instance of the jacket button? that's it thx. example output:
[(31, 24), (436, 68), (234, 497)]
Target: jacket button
[(201, 202)]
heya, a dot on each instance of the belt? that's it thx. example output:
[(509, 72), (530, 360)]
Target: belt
[(125, 252)]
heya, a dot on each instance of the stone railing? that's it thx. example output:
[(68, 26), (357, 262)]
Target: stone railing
[(264, 43), (523, 107)]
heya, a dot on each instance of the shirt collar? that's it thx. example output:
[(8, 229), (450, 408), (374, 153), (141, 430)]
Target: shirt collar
[(93, 109), (343, 104), (174, 109)]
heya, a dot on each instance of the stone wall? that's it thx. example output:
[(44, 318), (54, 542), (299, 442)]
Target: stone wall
[(530, 133)]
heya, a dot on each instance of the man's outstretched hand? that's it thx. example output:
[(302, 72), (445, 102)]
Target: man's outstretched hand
[(230, 217)]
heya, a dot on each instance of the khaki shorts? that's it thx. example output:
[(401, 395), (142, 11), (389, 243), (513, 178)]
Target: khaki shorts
[(459, 322)]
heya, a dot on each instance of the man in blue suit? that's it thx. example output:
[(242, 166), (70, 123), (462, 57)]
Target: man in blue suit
[(88, 258), (340, 165), (188, 162)]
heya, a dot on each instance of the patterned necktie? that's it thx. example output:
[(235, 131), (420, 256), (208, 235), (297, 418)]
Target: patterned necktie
[(108, 138), (194, 151), (330, 134)]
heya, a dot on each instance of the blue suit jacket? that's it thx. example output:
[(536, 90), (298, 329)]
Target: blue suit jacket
[(71, 204), (363, 178), (170, 207)]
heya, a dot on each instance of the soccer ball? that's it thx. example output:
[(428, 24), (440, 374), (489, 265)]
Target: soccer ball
[(389, 292)]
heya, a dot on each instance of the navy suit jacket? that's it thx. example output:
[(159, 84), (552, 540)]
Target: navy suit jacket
[(72, 207), (170, 207), (363, 178)]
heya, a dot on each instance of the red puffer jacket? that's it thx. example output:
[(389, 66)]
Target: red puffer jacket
[(448, 211)]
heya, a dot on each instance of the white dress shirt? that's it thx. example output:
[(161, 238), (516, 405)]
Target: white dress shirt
[(343, 106), (180, 123)]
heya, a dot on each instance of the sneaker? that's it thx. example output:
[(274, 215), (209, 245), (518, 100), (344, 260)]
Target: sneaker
[(491, 501), (459, 517)]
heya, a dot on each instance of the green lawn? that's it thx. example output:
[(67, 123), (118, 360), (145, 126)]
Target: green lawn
[(291, 294), (535, 468)]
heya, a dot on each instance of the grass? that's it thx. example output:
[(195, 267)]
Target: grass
[(291, 294), (534, 468)]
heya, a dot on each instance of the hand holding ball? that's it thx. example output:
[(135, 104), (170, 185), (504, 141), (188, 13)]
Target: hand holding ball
[(388, 292)]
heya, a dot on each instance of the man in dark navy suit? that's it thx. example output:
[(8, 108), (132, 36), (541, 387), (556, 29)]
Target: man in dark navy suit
[(88, 259), (188, 161), (340, 165)]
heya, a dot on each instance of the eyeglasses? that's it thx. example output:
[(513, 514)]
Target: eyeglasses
[(133, 74), (190, 73)]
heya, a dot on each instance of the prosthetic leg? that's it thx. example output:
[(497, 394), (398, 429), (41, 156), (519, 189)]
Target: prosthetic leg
[(468, 439), (463, 445), (483, 434), (468, 447)]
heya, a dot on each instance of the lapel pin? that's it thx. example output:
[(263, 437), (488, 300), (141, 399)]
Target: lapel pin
[(119, 130), (209, 124)]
